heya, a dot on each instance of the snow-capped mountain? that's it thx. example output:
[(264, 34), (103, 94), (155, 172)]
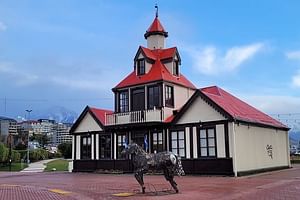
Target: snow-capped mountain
[(57, 113)]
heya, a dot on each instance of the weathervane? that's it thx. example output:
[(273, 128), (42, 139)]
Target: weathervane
[(156, 6)]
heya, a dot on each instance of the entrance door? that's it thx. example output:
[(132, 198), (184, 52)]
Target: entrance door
[(138, 137), (138, 99)]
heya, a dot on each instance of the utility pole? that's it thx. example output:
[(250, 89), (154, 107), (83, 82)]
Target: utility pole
[(28, 111)]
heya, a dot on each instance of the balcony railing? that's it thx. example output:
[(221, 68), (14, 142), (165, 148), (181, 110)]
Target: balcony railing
[(134, 117)]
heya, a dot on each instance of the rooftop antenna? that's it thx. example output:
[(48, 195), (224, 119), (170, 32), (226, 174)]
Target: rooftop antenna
[(156, 14)]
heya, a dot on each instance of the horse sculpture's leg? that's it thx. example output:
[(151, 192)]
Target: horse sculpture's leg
[(170, 177), (139, 177)]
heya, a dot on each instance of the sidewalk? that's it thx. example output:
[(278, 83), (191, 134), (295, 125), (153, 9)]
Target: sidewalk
[(37, 166)]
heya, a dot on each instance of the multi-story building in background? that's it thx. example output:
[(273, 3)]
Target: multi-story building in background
[(62, 133), (8, 127), (56, 133)]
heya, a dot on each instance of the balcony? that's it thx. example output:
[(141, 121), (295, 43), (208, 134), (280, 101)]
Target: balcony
[(141, 116)]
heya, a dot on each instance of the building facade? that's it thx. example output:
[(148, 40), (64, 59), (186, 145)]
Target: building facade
[(8, 127), (161, 110)]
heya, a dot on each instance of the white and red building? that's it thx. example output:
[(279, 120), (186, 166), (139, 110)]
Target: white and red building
[(213, 131)]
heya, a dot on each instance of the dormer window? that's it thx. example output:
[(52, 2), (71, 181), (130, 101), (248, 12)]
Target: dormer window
[(175, 68), (140, 67)]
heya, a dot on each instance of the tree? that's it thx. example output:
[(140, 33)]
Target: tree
[(3, 153), (41, 138), (65, 149)]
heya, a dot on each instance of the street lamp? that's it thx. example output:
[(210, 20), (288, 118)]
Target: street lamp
[(28, 111)]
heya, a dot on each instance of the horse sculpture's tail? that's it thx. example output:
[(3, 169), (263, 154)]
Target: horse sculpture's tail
[(179, 168)]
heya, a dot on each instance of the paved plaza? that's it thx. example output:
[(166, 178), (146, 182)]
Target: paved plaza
[(284, 184)]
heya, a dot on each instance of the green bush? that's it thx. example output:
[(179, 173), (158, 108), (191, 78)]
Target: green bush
[(3, 153), (65, 149), (55, 155), (16, 156), (38, 154)]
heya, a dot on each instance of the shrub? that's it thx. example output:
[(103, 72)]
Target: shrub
[(38, 154), (55, 155), (3, 153), (16, 156), (65, 149)]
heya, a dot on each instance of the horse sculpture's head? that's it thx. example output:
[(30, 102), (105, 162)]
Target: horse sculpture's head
[(130, 149)]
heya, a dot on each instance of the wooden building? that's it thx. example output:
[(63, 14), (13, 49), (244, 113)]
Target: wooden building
[(158, 108)]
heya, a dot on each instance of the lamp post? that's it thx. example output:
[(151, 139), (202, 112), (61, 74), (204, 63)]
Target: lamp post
[(28, 111)]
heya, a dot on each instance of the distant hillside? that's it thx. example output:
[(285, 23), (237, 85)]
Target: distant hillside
[(57, 113)]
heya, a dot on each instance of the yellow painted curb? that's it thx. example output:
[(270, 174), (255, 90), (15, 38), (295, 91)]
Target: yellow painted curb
[(9, 185), (59, 191), (124, 194)]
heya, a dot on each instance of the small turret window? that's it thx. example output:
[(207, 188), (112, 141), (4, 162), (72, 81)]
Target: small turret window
[(140, 67), (169, 96), (175, 68)]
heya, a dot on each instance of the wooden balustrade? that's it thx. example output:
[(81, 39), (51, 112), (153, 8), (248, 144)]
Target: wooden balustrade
[(141, 116)]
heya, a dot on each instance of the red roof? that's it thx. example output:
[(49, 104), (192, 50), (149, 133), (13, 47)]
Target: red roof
[(156, 28), (158, 70), (100, 114), (238, 109)]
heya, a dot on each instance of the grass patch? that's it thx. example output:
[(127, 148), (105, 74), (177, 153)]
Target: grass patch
[(15, 167), (59, 165), (295, 159)]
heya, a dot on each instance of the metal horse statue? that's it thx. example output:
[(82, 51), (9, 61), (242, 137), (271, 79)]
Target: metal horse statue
[(168, 162)]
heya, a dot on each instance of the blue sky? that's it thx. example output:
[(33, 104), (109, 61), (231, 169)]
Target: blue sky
[(71, 53)]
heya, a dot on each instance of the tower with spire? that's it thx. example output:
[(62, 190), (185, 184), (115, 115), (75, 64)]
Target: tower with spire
[(156, 34)]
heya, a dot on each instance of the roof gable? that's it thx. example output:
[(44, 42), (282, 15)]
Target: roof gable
[(91, 119), (200, 110), (158, 70)]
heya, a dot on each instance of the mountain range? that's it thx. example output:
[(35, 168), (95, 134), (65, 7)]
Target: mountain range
[(58, 113)]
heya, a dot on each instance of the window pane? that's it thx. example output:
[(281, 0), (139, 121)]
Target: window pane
[(174, 135), (89, 141), (181, 143), (211, 133), (202, 133), (203, 143), (159, 136), (212, 151), (181, 153), (203, 152), (119, 139), (181, 135), (174, 151), (211, 142), (174, 144), (154, 137)]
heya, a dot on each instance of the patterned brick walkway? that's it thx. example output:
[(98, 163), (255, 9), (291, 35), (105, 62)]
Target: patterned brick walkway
[(279, 185)]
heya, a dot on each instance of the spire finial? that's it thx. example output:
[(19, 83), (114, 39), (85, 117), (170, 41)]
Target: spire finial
[(156, 14)]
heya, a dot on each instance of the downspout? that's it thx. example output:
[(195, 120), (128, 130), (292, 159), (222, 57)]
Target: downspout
[(234, 150)]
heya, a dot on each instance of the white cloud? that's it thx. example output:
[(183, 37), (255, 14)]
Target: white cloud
[(293, 55), (273, 104), (16, 75), (3, 27), (211, 61), (296, 79), (76, 83)]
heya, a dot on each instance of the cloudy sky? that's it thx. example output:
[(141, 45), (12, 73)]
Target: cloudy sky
[(71, 53)]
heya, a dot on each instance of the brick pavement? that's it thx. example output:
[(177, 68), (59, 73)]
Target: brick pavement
[(281, 185)]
